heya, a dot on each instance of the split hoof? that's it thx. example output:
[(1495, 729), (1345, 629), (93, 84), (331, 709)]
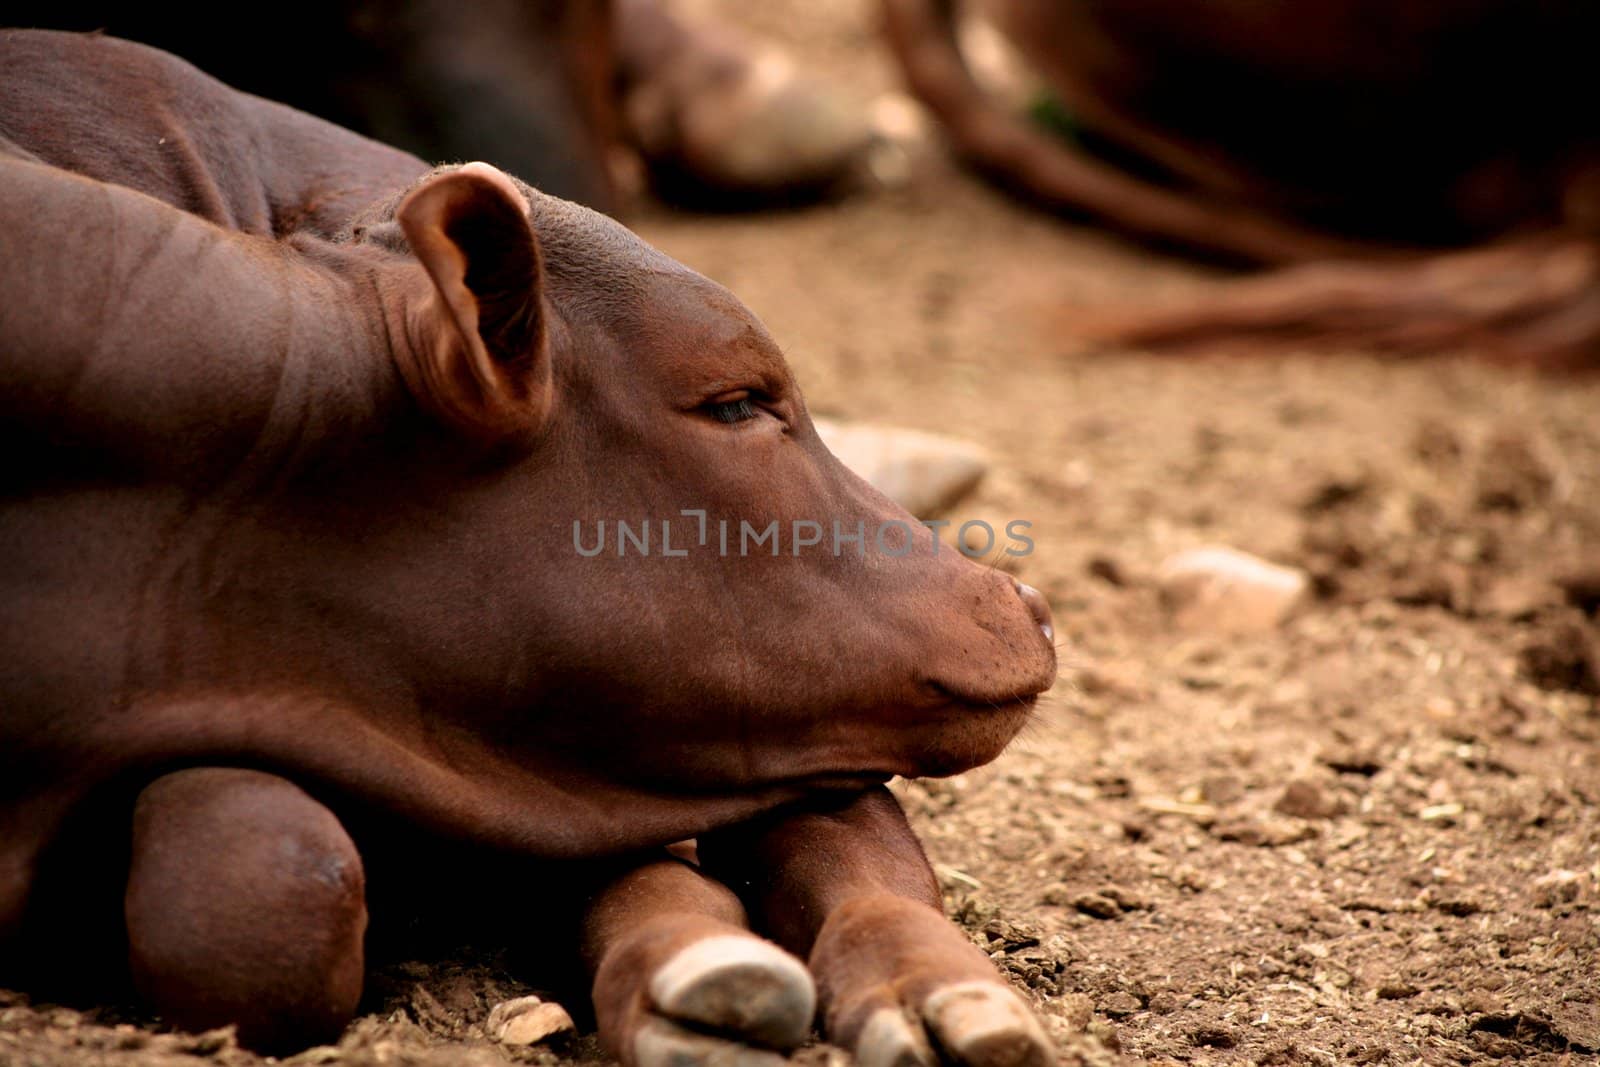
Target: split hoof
[(984, 1024), (890, 1039)]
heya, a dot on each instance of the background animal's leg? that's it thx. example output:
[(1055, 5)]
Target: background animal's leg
[(847, 885), (245, 904), (679, 977), (922, 34)]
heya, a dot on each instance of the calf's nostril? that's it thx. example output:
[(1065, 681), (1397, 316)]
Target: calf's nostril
[(1038, 606)]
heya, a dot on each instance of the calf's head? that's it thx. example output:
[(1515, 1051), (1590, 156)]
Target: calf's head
[(568, 378)]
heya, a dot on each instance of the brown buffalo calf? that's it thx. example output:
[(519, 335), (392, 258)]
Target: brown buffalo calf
[(300, 437)]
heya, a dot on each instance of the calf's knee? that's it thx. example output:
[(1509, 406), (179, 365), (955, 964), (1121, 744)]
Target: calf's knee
[(245, 904)]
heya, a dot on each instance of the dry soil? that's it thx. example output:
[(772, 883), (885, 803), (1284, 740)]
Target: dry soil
[(1368, 836)]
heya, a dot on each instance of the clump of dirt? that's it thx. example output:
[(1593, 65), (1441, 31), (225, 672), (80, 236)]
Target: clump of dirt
[(1368, 836), (1565, 656)]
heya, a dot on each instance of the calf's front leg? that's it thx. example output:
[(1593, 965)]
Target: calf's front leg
[(679, 979), (845, 884)]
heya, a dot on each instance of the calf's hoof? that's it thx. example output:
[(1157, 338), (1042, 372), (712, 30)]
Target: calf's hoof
[(662, 1043), (723, 1000), (976, 1023), (905, 988), (738, 985)]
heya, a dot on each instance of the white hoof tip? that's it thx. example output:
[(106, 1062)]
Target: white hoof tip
[(889, 1039), (659, 1043), (982, 1024), (741, 986)]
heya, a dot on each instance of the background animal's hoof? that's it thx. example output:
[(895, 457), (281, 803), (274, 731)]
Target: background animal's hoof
[(984, 1024), (740, 986), (660, 1043)]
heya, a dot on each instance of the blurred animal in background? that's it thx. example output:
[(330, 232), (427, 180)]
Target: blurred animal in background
[(572, 95), (1425, 174)]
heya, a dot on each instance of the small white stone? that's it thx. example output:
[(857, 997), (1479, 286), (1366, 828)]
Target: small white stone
[(1557, 887), (1439, 812), (925, 473), (527, 1021), (1224, 590)]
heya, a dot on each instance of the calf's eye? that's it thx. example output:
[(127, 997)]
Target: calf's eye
[(737, 410)]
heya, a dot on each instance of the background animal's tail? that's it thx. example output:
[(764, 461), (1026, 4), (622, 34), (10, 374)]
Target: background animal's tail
[(1533, 298)]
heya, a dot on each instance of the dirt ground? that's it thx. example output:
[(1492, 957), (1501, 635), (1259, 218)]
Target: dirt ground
[(1370, 836)]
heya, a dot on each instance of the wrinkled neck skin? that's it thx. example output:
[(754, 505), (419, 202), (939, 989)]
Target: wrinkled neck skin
[(143, 119)]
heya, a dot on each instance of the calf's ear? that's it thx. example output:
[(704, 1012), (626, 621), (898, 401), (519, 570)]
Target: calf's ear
[(477, 356)]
